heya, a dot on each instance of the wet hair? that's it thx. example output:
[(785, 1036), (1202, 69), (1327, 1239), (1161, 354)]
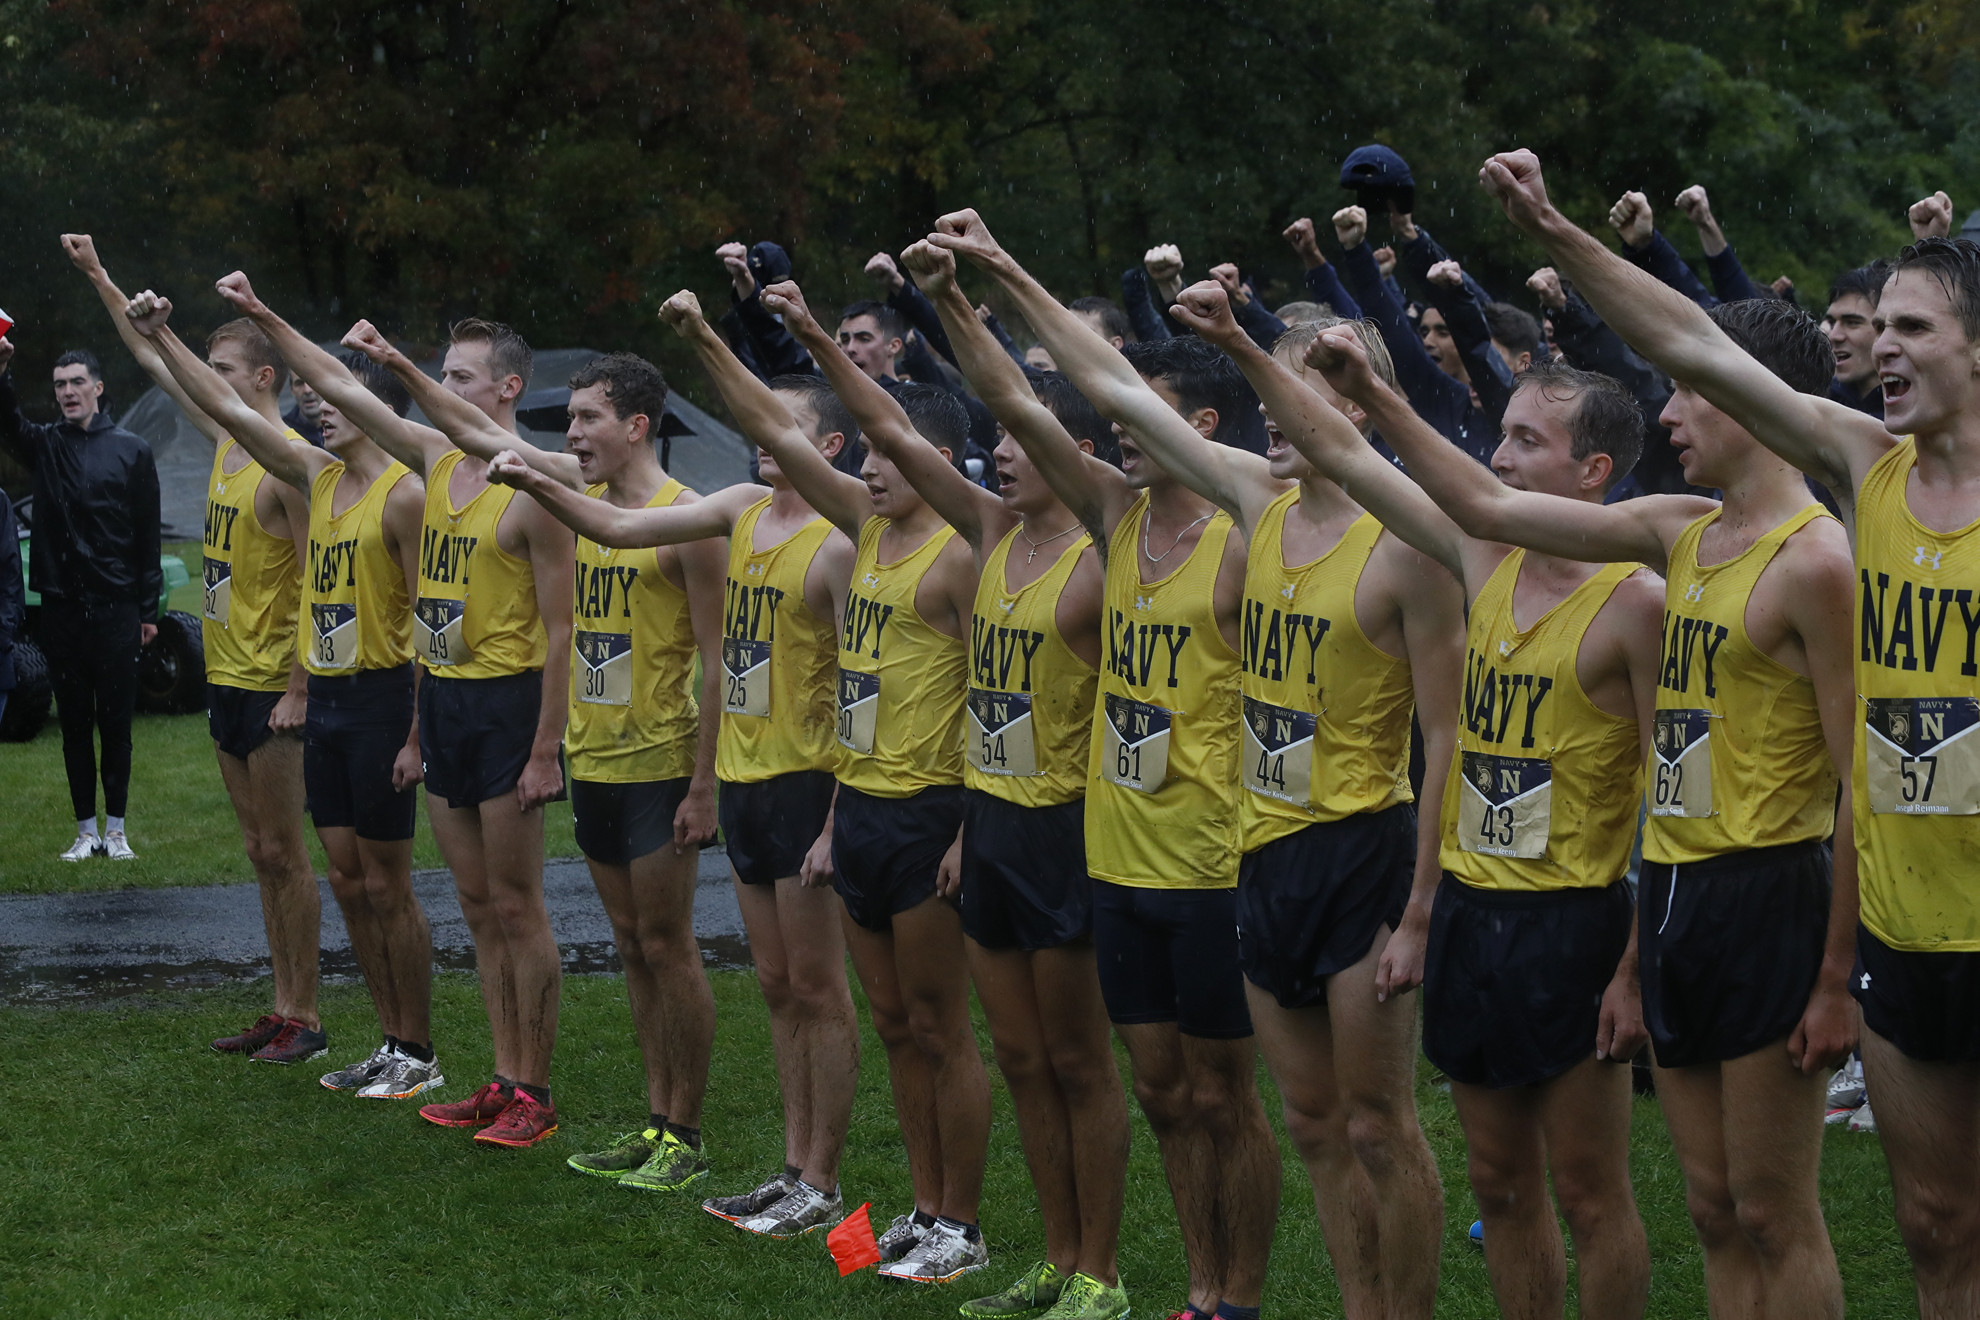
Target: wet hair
[(82, 357), (508, 352), (1955, 264), (937, 415), (380, 381), (1606, 419), (884, 316), (1202, 376), (1076, 413), (1866, 282), (1782, 338), (827, 407), (632, 386), (1298, 313), (1293, 343), (258, 348), (1114, 322), (1514, 328)]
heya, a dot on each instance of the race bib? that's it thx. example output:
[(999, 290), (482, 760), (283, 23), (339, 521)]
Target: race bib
[(1922, 756), (745, 677), (336, 630), (1000, 733), (1278, 752), (1505, 805), (1681, 741), (437, 630), (859, 709), (605, 668), (217, 575), (1136, 751)]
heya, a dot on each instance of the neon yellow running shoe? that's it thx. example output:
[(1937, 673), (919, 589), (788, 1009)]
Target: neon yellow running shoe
[(672, 1166), (1035, 1290), (625, 1154), (1086, 1298)]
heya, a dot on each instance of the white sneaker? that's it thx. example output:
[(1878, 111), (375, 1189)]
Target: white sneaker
[(86, 845), (402, 1078), (118, 847), (1862, 1120), (944, 1253), (901, 1237), (803, 1209)]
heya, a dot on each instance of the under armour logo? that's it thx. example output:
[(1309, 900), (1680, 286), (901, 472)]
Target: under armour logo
[(754, 570), (1007, 605), (1926, 558), (1287, 591), (871, 579), (1694, 592), (1505, 647), (1144, 603), (1863, 982)]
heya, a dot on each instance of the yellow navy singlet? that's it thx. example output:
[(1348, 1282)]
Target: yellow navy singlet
[(358, 614), (1737, 759), (1326, 712), (779, 660), (1030, 703), (633, 713), (1544, 788), (253, 584), (1916, 780), (900, 686), (1161, 800), (476, 616)]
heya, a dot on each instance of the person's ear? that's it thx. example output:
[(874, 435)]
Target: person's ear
[(832, 444), (1595, 470), (1205, 421), (512, 388), (895, 345), (641, 427), (264, 378), (1084, 445), (99, 388), (1356, 414)]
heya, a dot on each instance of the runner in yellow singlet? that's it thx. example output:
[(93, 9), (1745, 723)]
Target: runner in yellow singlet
[(1343, 626), (1531, 1002), (361, 746), (491, 628), (1162, 806), (1907, 483), (784, 595)]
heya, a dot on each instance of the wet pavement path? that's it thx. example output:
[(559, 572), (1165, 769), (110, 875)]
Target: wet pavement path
[(74, 948)]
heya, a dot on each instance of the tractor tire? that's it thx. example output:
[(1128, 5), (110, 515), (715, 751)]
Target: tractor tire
[(28, 703), (172, 670)]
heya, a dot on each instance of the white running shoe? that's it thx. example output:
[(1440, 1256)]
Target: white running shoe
[(117, 847), (403, 1078), (1862, 1120), (944, 1253), (86, 845), (357, 1074), (901, 1237), (803, 1209)]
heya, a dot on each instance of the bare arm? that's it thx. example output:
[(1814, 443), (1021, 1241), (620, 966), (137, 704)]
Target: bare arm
[(764, 418), (82, 251), (1619, 1030), (610, 525), (405, 511), (552, 550), (1829, 442), (705, 569), (465, 426)]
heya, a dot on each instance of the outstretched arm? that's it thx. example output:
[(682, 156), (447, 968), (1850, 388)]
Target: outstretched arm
[(81, 249), (1829, 442), (291, 463), (625, 529), (466, 427), (764, 419), (418, 447)]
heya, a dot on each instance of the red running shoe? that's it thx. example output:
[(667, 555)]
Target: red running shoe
[(478, 1110), (524, 1123), (247, 1042)]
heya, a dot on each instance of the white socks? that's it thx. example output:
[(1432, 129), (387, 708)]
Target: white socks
[(113, 824), (86, 829)]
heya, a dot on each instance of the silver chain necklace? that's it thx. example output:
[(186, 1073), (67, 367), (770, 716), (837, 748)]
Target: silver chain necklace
[(1036, 546), (1154, 558)]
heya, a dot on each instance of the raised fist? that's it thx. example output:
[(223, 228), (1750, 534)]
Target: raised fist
[(1385, 260), (1338, 355), (787, 300), (681, 312), (933, 268), (881, 269), (1350, 226), (236, 290), (364, 337), (1783, 288), (1233, 282), (1632, 218), (964, 231), (81, 250), (1163, 262), (6, 352), (508, 469), (1697, 207), (1300, 237), (149, 312), (1205, 308), (1447, 273), (1546, 286), (735, 259), (1513, 180), (1932, 217)]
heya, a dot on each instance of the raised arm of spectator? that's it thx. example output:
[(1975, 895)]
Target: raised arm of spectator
[(1828, 441), (1419, 254), (1250, 314), (20, 439), (1441, 399), (293, 464), (1931, 217), (1147, 288), (1729, 279), (1586, 341), (773, 351), (1647, 248), (1322, 281), (900, 293), (81, 250), (1450, 294), (990, 322), (841, 497)]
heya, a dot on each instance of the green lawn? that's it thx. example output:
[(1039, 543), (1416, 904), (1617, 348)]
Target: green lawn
[(148, 1176)]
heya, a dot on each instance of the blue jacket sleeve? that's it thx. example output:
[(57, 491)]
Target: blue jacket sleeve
[(1139, 300), (1730, 280), (1662, 260), (1437, 398), (1263, 327), (740, 343), (1490, 379), (920, 365), (21, 439), (920, 314), (777, 354), (1325, 285)]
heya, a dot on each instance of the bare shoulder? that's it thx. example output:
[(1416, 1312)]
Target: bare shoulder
[(1817, 565), (1636, 607)]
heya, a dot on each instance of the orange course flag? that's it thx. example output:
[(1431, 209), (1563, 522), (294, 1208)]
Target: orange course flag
[(852, 1242)]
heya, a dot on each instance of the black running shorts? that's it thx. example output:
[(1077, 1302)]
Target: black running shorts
[(768, 825), (1729, 949), (238, 718), (356, 726), (475, 734), (1513, 979), (1926, 1004), (1170, 955), (1024, 880), (1310, 904), (885, 851), (618, 823)]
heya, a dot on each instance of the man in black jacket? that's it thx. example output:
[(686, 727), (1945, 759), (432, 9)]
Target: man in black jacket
[(95, 562), (13, 598)]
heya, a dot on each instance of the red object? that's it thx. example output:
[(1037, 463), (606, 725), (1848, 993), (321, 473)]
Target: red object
[(6, 324), (852, 1242)]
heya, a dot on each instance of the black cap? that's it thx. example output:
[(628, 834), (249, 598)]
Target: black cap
[(768, 263), (1377, 175)]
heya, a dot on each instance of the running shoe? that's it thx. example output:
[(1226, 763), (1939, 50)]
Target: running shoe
[(247, 1042), (803, 1209), (403, 1078), (478, 1110), (901, 1237), (1862, 1120), (1086, 1298), (355, 1075), (293, 1044), (673, 1166), (525, 1122), (627, 1152), (1846, 1091), (944, 1253), (118, 848), (735, 1209), (1476, 1234), (85, 846), (1039, 1287)]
